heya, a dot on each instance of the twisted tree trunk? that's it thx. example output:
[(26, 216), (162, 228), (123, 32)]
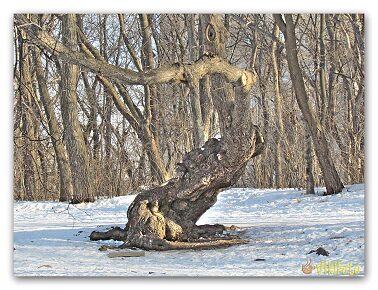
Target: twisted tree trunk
[(165, 217)]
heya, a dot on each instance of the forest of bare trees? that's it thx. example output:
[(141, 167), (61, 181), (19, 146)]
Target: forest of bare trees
[(107, 105)]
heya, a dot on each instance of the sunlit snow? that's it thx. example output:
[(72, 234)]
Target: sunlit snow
[(282, 226)]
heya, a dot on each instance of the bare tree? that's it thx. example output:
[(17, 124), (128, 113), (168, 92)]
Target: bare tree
[(65, 177), (278, 111), (331, 177), (29, 130), (141, 97), (164, 217), (73, 135)]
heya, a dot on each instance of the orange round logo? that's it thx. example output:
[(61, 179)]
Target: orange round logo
[(307, 268)]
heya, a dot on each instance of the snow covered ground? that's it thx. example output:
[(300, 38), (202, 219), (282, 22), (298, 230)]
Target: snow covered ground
[(283, 226)]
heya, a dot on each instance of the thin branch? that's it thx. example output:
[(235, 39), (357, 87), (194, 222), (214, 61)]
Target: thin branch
[(253, 26)]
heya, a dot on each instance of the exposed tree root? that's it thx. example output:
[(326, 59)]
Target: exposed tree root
[(165, 217), (208, 237), (116, 233), (204, 245)]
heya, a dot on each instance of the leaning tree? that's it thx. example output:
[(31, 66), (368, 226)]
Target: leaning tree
[(164, 217)]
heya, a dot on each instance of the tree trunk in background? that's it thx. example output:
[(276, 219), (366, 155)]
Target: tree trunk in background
[(358, 24), (322, 73), (76, 147), (108, 99), (310, 184), (147, 60), (150, 125), (331, 109), (29, 130), (206, 99), (65, 178), (331, 177), (93, 112), (108, 161), (195, 102), (278, 110)]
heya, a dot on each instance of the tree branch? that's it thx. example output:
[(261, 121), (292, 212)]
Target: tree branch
[(280, 23), (130, 49), (171, 74)]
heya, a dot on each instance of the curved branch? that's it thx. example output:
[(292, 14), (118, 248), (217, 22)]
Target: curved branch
[(171, 74)]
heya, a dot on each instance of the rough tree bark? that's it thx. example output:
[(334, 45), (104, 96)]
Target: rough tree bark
[(195, 102), (65, 177), (77, 150), (164, 218), (206, 101), (31, 184)]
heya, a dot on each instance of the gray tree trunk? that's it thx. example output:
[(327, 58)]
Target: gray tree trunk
[(331, 177), (310, 184), (65, 178), (206, 99), (76, 147), (278, 110), (29, 131), (195, 102)]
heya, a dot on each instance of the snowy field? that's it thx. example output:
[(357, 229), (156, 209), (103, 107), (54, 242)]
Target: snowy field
[(283, 226)]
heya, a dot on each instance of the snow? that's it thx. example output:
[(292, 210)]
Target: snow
[(282, 226)]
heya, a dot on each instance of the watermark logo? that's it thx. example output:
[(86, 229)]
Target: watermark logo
[(334, 268), (307, 268)]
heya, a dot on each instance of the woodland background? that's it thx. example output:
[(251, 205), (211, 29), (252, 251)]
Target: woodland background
[(133, 136)]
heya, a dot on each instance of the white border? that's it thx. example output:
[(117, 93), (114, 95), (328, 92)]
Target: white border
[(8, 7)]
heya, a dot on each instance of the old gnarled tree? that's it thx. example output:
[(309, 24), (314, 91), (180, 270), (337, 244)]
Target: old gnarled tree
[(165, 217)]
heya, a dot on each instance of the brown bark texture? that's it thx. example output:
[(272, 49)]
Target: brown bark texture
[(165, 217), (65, 177), (77, 150)]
